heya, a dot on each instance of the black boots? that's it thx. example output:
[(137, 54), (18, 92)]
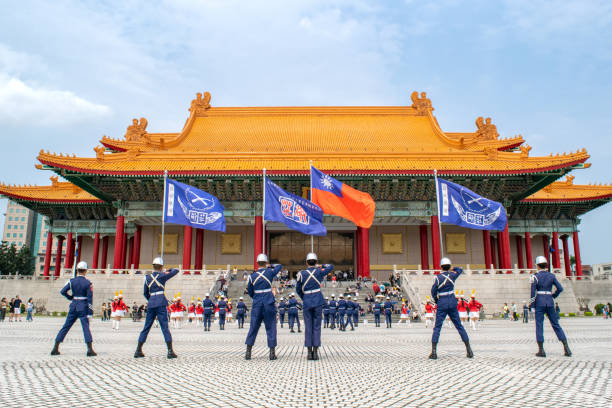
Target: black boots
[(468, 350), (434, 354), (171, 353), (292, 331), (139, 353), (566, 349), (315, 353), (540, 352), (55, 351), (272, 353), (299, 330), (247, 355), (90, 350), (310, 352)]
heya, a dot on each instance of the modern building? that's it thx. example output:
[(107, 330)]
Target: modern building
[(113, 200), (19, 225)]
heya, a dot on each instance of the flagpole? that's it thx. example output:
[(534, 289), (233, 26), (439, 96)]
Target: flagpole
[(76, 253), (438, 208), (263, 215), (163, 215), (310, 198)]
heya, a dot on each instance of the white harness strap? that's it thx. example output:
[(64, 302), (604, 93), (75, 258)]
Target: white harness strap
[(446, 280), (311, 276), (262, 276), (154, 280)]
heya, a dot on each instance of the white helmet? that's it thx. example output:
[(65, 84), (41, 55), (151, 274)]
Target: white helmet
[(445, 261), (262, 258), (207, 295), (332, 295), (241, 298), (292, 293), (311, 256), (282, 298), (388, 298), (81, 266), (541, 260), (158, 261), (348, 296)]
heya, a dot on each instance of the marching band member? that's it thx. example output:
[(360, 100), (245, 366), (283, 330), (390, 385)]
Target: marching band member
[(430, 308), (191, 311), (462, 308), (199, 312), (474, 306)]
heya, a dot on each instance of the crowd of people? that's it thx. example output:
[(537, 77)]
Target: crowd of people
[(15, 307)]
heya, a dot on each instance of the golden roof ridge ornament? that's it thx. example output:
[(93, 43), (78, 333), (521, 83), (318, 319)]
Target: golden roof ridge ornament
[(137, 130), (200, 104), (422, 104), (485, 129)]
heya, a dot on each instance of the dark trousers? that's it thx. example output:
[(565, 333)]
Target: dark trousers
[(553, 317), (266, 314), (72, 317), (377, 318), (240, 318), (333, 319), (221, 320), (453, 313), (388, 317), (161, 314), (349, 319), (326, 318), (293, 318), (356, 318), (281, 317), (312, 326), (207, 320)]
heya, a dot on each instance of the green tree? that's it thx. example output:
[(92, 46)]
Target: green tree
[(11, 259), (24, 261), (4, 269)]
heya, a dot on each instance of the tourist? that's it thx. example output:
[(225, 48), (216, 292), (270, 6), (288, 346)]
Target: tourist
[(525, 312), (514, 312), (17, 308), (3, 307), (29, 310), (134, 311), (103, 311), (506, 311)]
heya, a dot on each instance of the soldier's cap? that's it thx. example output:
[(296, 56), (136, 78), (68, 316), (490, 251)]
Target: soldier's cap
[(388, 298), (326, 298), (348, 296), (81, 266), (207, 295), (282, 298), (241, 297), (342, 296)]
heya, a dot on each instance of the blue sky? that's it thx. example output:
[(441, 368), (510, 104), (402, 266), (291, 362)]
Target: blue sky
[(71, 72)]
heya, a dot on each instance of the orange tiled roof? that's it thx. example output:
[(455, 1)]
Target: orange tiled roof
[(405, 139), (567, 191), (57, 192)]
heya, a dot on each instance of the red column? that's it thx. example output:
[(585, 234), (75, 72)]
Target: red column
[(58, 256), (486, 244), (79, 248), (104, 252), (500, 250), (199, 250), (124, 251), (96, 251), (493, 253), (424, 247), (137, 245), (69, 251), (118, 243), (519, 252), (258, 238), (556, 257), (48, 250), (545, 246), (577, 254), (358, 254), (435, 242), (130, 256), (365, 251), (187, 247), (528, 250), (506, 249), (566, 257)]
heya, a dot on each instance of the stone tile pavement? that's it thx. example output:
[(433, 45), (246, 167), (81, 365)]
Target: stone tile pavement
[(370, 367)]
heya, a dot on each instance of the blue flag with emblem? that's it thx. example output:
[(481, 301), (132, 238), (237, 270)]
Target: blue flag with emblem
[(188, 205), (461, 206), (294, 211)]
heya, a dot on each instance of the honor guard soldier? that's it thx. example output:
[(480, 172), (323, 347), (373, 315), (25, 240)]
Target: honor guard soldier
[(443, 293), (80, 308), (259, 287), (326, 313), (349, 313), (389, 308), (282, 308), (542, 295), (223, 308), (241, 312), (341, 312), (209, 308), (154, 287), (378, 307), (333, 307), (308, 288), (356, 311), (293, 307)]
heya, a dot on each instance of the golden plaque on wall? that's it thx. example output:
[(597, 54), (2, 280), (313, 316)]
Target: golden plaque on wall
[(392, 244), (455, 244), (170, 243), (231, 244)]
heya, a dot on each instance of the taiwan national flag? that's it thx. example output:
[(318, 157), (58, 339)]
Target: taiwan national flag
[(188, 205), (337, 198), (295, 212), (461, 206)]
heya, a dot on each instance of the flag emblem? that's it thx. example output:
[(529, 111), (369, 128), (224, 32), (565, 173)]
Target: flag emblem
[(293, 211)]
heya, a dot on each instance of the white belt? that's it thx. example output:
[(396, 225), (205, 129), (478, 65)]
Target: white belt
[(157, 293), (446, 293), (263, 290), (544, 292), (79, 298), (308, 292)]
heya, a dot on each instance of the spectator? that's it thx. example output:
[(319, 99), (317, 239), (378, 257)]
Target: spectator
[(514, 312), (103, 311), (134, 311), (29, 309), (506, 311), (17, 308), (375, 288), (3, 307), (334, 284)]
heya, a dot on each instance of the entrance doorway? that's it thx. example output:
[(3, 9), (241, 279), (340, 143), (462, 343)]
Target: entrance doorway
[(290, 249)]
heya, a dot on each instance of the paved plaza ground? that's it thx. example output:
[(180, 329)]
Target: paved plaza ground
[(370, 367)]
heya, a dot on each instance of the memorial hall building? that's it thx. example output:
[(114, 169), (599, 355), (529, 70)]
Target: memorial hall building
[(110, 203)]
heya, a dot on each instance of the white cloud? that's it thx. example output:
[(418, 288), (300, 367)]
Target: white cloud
[(23, 103)]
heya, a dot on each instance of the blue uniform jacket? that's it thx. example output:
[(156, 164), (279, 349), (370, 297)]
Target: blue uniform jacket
[(377, 307), (208, 306), (349, 306), (541, 289), (241, 307), (282, 307), (154, 285), (342, 305), (389, 306), (333, 305), (310, 280), (293, 305), (443, 288), (81, 294), (259, 285), (326, 307), (222, 305)]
